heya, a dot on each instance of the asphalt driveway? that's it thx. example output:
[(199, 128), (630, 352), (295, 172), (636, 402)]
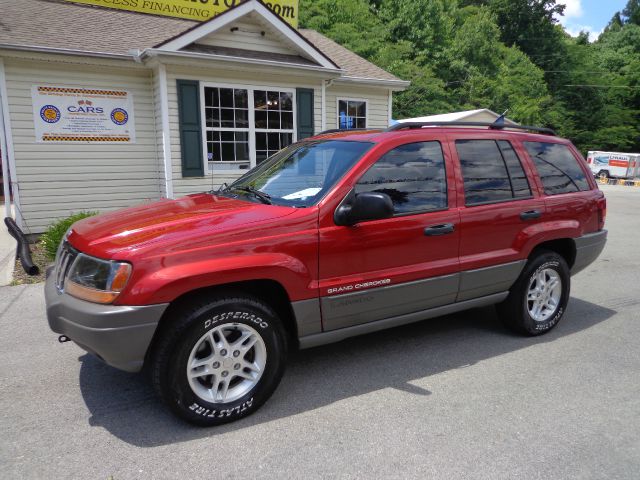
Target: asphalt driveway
[(453, 397)]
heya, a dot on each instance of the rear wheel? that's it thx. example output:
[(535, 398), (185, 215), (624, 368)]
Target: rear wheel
[(603, 174), (220, 360), (538, 299)]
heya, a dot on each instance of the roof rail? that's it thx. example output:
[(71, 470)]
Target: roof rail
[(492, 126)]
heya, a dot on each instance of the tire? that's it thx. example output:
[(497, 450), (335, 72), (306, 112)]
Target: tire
[(604, 174), (195, 336), (523, 310)]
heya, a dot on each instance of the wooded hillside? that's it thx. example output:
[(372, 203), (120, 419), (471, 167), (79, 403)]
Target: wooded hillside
[(499, 54)]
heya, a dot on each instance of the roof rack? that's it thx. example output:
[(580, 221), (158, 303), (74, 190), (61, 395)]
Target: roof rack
[(492, 126)]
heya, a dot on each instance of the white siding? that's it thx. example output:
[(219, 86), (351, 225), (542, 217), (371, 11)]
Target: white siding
[(259, 77), (59, 179), (377, 104), (248, 37)]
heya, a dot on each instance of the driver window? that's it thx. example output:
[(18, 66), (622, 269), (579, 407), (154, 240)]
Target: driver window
[(413, 175)]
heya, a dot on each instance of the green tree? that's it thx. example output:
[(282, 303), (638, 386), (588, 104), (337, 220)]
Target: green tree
[(498, 54), (631, 12)]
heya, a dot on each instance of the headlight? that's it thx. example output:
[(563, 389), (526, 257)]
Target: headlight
[(96, 280)]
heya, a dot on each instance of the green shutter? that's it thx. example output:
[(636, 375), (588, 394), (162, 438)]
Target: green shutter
[(190, 128), (304, 104)]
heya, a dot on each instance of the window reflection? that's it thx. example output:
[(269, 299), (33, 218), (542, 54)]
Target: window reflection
[(413, 175), (492, 172), (558, 168)]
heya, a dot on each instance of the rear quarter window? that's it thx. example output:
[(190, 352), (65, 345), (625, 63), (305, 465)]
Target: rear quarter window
[(557, 167)]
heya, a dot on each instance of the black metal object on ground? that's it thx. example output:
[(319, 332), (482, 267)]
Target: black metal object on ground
[(24, 254)]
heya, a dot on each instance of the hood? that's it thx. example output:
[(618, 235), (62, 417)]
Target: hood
[(193, 220)]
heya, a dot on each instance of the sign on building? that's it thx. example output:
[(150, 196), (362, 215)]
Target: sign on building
[(196, 9), (70, 114)]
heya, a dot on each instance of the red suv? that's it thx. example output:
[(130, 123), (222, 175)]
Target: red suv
[(337, 235)]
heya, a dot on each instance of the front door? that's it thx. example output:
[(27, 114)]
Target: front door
[(401, 265)]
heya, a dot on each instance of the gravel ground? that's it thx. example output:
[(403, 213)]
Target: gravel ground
[(453, 397), (40, 259)]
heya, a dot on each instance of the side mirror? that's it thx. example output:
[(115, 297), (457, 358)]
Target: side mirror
[(364, 206)]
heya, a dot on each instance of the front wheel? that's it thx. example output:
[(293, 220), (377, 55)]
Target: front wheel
[(538, 299), (220, 360)]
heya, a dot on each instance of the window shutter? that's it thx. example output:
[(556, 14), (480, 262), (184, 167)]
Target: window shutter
[(190, 128), (304, 104)]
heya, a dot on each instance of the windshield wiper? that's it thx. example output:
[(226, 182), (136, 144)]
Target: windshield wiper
[(263, 197)]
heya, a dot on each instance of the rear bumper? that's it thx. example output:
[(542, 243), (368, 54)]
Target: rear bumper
[(119, 335), (588, 248)]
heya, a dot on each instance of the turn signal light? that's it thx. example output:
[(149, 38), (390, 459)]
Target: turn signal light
[(89, 294)]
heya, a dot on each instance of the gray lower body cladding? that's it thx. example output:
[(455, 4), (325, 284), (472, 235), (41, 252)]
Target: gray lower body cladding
[(341, 311), (487, 281), (119, 335), (347, 310), (588, 248), (337, 335)]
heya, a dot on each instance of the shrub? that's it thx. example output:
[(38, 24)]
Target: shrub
[(52, 237)]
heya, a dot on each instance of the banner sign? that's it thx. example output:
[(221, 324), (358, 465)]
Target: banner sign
[(195, 9), (70, 114)]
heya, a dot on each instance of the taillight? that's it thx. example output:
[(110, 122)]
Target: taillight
[(602, 212)]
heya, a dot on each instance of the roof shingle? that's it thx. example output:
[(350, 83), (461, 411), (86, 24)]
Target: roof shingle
[(352, 64), (57, 24), (62, 25)]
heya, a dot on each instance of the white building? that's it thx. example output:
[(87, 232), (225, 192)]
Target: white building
[(480, 115), (102, 109)]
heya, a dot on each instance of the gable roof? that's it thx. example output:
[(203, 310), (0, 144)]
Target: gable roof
[(291, 35), (56, 25)]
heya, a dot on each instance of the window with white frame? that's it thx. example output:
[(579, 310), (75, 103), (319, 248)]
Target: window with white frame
[(352, 113), (244, 126), (273, 122), (227, 126)]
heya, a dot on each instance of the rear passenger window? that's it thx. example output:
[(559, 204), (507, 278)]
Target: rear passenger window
[(413, 175), (492, 172), (558, 168)]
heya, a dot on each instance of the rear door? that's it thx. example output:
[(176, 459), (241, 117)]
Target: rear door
[(571, 194), (500, 207), (401, 265)]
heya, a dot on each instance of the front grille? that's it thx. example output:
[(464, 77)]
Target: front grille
[(63, 263)]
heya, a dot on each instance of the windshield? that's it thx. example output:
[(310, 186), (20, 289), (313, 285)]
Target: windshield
[(300, 174)]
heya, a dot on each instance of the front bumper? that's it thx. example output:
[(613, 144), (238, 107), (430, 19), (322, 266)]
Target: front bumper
[(119, 335), (588, 248)]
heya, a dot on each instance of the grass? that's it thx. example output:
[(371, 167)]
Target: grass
[(52, 237), (44, 252)]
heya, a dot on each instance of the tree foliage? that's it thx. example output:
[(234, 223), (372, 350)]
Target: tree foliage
[(498, 54)]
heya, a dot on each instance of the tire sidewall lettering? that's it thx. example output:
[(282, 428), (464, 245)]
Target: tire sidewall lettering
[(549, 324), (249, 318), (198, 409)]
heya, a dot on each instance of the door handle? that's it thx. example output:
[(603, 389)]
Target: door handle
[(530, 215), (436, 230)]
